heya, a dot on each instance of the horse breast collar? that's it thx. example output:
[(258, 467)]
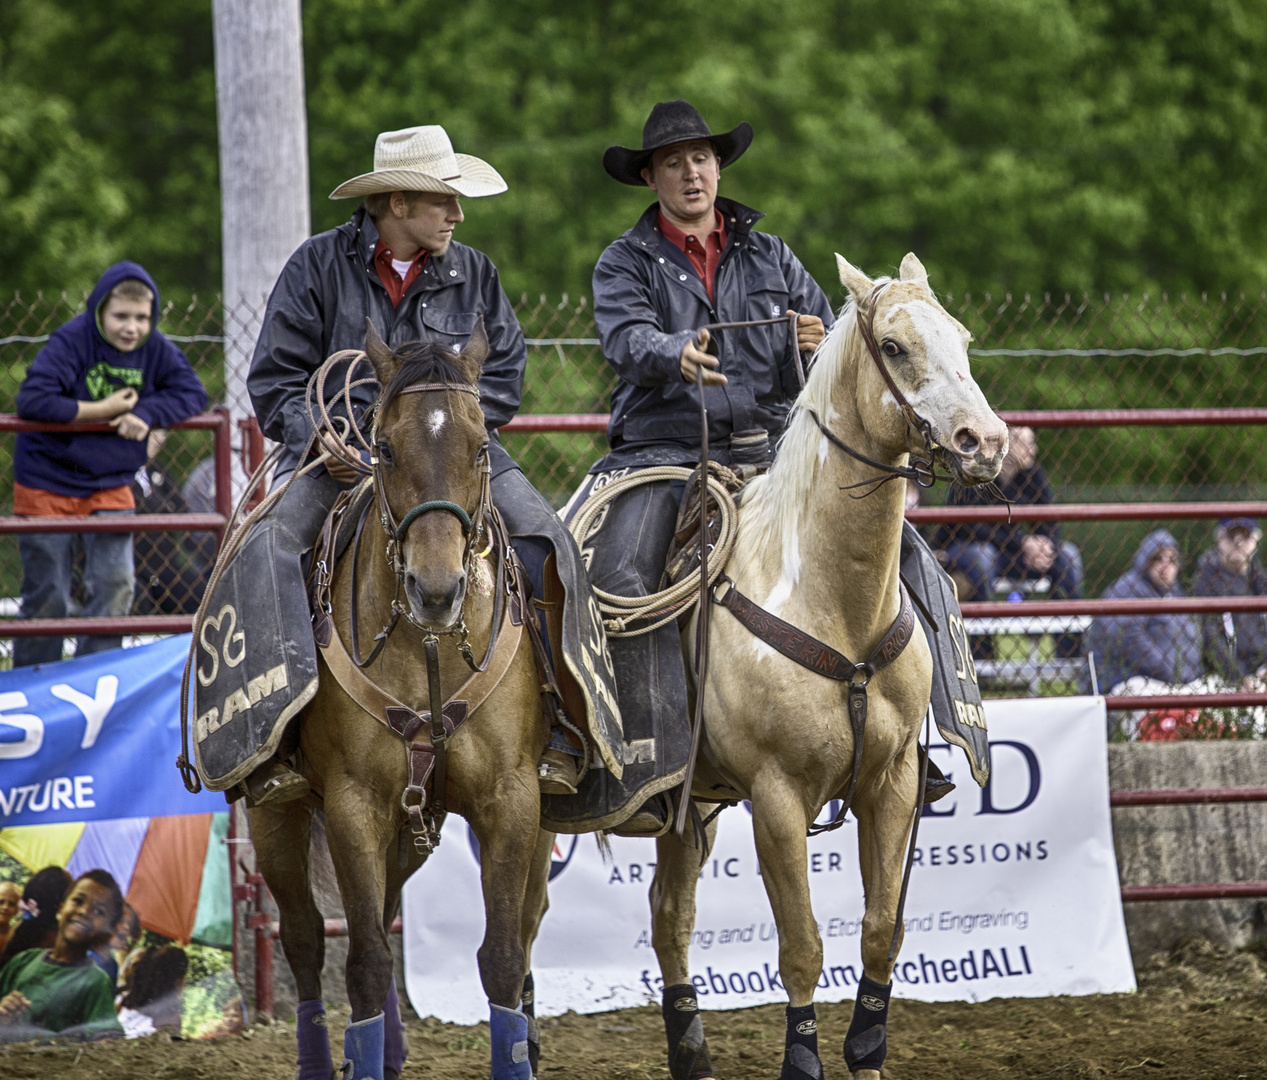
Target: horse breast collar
[(822, 659)]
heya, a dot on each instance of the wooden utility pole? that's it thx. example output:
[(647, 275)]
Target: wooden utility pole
[(263, 166)]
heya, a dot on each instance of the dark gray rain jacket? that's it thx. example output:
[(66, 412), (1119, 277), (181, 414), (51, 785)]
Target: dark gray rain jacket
[(320, 303), (1233, 645), (1166, 647), (649, 301)]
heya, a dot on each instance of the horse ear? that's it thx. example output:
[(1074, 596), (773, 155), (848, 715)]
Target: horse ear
[(476, 351), (381, 357), (853, 279), (913, 270)]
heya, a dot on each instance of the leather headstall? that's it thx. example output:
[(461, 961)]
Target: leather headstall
[(820, 658), (423, 799)]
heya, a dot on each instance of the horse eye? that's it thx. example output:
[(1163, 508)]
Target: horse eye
[(385, 452), (892, 348)]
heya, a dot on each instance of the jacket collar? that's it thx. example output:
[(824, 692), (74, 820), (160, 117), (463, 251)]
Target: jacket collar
[(437, 273), (739, 220)]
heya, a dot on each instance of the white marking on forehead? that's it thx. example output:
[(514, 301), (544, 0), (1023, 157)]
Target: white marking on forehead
[(435, 422), (942, 337)]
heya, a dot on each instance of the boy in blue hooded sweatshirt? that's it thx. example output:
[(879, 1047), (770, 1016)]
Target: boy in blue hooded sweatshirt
[(107, 363)]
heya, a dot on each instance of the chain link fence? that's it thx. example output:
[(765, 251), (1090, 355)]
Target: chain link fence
[(1028, 354)]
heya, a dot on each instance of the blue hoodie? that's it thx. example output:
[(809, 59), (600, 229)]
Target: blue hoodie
[(79, 364), (1166, 647)]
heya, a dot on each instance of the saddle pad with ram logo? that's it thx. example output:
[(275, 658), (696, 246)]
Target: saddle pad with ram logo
[(956, 697), (254, 662)]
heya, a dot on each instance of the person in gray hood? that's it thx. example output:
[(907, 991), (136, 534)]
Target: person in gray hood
[(1162, 646)]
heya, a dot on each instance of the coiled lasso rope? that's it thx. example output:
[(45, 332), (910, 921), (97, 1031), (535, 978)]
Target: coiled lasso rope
[(657, 609)]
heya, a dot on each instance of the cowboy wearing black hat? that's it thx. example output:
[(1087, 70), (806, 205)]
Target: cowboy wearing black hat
[(692, 259)]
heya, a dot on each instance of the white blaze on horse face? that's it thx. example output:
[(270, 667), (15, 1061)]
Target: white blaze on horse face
[(945, 381), (435, 422)]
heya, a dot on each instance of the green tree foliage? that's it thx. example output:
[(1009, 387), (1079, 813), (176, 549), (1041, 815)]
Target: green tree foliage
[(1022, 145), (122, 114)]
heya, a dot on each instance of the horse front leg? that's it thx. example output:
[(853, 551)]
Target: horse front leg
[(779, 823), (361, 831), (677, 871), (282, 841), (506, 826), (885, 814), (536, 903)]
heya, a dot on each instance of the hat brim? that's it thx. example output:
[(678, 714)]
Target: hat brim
[(476, 178), (626, 165)]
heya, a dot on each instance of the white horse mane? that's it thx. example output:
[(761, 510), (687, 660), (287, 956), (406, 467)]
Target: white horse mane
[(773, 503)]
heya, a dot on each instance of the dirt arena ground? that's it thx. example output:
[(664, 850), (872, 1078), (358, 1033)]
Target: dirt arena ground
[(1202, 1011)]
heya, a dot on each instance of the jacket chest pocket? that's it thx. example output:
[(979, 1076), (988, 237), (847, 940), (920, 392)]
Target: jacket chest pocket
[(452, 328)]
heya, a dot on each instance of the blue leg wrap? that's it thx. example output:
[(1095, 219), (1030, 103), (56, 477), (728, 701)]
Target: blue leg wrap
[(314, 1042), (363, 1049), (508, 1032)]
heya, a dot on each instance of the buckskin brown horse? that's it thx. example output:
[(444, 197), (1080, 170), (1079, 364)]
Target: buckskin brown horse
[(447, 586), (812, 566)]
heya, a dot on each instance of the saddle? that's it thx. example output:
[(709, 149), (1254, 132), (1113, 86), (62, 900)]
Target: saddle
[(684, 552)]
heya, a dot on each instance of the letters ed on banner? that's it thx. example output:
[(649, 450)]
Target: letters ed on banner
[(1014, 893)]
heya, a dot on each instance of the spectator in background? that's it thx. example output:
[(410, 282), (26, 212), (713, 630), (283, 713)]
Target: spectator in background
[(153, 984), (110, 956), (171, 568), (1234, 646), (10, 898), (41, 898), (107, 363), (982, 553), (60, 990), (1165, 648)]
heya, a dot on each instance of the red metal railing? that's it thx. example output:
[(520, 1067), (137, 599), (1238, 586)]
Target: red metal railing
[(217, 422), (545, 422), (1213, 890)]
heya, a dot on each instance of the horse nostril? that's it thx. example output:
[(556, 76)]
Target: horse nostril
[(966, 441)]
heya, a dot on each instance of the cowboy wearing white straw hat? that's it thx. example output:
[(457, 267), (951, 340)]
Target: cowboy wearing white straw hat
[(422, 159), (396, 263)]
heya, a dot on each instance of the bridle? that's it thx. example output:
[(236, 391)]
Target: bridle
[(920, 470), (473, 525)]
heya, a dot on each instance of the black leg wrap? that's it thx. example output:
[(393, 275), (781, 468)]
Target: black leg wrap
[(865, 1041), (528, 1003), (688, 1049), (800, 1053)]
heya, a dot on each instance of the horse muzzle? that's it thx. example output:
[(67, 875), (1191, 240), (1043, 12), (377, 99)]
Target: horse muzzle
[(975, 452), (435, 600)]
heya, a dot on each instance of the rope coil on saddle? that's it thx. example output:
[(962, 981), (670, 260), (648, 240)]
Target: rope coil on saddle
[(620, 613)]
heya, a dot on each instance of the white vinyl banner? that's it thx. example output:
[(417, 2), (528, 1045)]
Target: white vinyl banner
[(1014, 893)]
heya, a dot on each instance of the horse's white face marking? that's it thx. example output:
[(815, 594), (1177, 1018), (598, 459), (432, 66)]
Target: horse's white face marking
[(435, 422)]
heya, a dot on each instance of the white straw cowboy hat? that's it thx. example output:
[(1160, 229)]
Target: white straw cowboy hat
[(422, 159)]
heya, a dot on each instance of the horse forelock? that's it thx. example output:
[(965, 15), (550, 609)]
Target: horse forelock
[(423, 362)]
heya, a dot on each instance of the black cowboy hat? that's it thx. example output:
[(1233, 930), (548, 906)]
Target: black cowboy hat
[(673, 122)]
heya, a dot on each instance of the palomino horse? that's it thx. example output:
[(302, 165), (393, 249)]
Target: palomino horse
[(779, 733), (430, 449)]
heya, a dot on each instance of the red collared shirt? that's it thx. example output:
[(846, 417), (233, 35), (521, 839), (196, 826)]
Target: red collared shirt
[(704, 257), (392, 281)]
